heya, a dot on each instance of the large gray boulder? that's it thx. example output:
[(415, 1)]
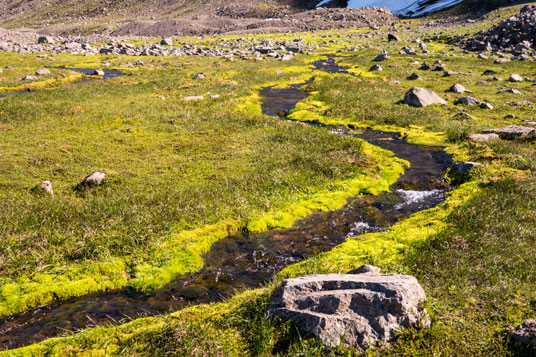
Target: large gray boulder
[(360, 309), (526, 333), (420, 97)]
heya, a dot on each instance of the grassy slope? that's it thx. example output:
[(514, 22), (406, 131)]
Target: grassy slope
[(181, 175), (474, 255)]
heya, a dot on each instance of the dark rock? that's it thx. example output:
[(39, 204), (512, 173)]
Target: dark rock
[(526, 333), (470, 101)]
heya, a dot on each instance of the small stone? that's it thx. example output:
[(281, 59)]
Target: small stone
[(414, 77), (98, 72), (515, 78), (200, 76), (193, 98), (511, 91), (95, 179), (425, 67), (483, 137), (392, 37), (463, 116), (42, 72), (29, 78), (457, 88), (46, 186), (365, 268), (481, 83), (166, 42), (287, 57), (501, 60), (381, 57), (486, 106), (470, 101), (47, 40), (376, 68), (214, 96)]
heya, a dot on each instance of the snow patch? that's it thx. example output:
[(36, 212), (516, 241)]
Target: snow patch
[(408, 8)]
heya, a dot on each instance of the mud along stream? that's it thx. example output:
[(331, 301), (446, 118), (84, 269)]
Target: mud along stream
[(250, 261)]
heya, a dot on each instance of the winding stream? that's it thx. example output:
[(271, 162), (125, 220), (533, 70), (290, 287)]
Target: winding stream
[(250, 261)]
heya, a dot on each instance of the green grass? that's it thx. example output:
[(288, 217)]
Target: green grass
[(184, 174), (181, 175)]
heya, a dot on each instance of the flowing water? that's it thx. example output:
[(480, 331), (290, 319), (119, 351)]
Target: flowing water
[(244, 260)]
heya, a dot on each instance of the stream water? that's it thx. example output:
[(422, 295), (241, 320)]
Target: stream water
[(108, 73), (244, 260)]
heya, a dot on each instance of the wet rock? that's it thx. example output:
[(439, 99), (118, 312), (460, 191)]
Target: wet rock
[(513, 132), (515, 78), (465, 168), (359, 308), (526, 333), (420, 97), (98, 72), (392, 37), (470, 101), (483, 137), (376, 68), (457, 88), (42, 72)]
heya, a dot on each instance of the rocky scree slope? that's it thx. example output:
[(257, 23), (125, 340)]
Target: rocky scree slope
[(516, 35)]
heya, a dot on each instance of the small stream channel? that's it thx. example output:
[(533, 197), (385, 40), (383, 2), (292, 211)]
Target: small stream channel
[(108, 73), (250, 261)]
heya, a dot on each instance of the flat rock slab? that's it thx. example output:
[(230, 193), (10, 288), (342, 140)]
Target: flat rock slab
[(484, 137), (360, 309), (513, 132), (526, 333)]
